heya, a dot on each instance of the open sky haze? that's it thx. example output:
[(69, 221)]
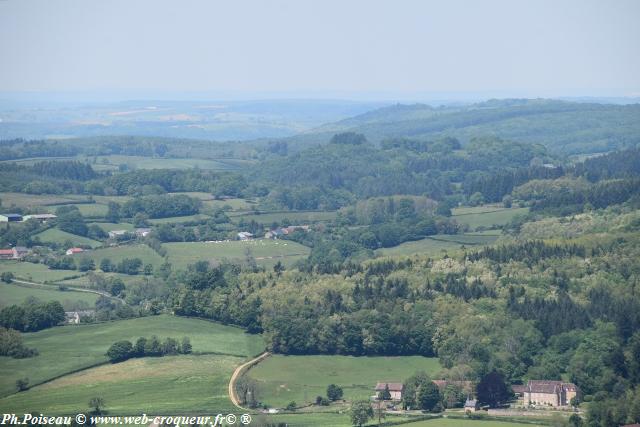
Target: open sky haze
[(542, 47)]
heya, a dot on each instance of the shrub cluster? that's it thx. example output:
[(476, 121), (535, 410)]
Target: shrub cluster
[(154, 347)]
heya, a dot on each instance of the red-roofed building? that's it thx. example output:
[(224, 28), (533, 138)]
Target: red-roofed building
[(73, 251), (6, 253)]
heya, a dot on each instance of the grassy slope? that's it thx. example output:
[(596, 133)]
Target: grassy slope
[(483, 217), (15, 294), (235, 204), (109, 226), (161, 163), (85, 282), (35, 272), (441, 422), (166, 385), (343, 420), (283, 379), (439, 244), (178, 219), (22, 200), (68, 348), (182, 254), (56, 235), (89, 210), (118, 253)]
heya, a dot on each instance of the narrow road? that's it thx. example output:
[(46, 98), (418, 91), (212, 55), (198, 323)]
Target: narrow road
[(238, 372)]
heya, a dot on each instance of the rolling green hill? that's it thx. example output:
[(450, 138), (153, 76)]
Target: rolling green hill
[(67, 349), (564, 127)]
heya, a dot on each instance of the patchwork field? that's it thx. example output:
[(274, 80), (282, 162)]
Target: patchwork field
[(166, 385), (15, 294), (65, 349), (55, 235), (118, 253), (486, 216), (282, 379), (266, 252), (35, 272)]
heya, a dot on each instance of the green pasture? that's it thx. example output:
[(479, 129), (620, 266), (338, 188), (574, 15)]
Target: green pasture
[(16, 294), (164, 385), (118, 253), (55, 235), (282, 379), (112, 162), (179, 219), (22, 200), (441, 243), (461, 422), (35, 272), (88, 210), (65, 349), (85, 282), (266, 252), (234, 204), (104, 200), (486, 217), (109, 226)]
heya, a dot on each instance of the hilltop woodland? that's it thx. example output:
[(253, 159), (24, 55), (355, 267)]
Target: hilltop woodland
[(555, 297)]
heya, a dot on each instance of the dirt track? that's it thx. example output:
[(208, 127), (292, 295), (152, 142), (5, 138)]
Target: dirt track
[(238, 372)]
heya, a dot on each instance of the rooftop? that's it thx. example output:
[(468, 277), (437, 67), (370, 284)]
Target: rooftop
[(392, 386)]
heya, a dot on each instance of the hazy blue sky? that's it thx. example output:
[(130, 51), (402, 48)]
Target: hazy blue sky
[(322, 47)]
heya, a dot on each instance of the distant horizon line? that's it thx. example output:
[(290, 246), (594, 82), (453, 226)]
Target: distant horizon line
[(427, 97)]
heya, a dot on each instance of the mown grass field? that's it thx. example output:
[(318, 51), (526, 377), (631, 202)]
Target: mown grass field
[(55, 235), (286, 218), (118, 253), (15, 294), (66, 349), (35, 272), (282, 379), (166, 385), (486, 216), (266, 252)]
